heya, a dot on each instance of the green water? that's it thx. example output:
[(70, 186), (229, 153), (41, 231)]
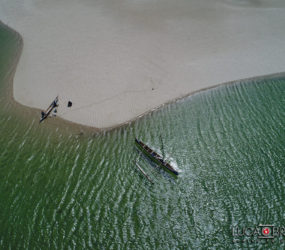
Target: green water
[(61, 190)]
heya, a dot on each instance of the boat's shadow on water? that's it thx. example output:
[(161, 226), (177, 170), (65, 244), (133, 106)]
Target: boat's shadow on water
[(155, 172)]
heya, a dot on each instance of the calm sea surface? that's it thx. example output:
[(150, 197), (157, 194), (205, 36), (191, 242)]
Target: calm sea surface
[(61, 189)]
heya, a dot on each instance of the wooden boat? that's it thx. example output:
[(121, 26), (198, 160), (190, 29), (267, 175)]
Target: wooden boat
[(53, 105), (155, 157)]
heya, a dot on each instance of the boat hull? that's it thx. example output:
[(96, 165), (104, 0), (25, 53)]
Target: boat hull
[(154, 159)]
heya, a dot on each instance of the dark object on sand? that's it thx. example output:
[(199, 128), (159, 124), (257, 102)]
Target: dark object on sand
[(69, 104), (53, 105)]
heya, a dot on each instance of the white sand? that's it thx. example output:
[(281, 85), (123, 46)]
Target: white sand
[(106, 56)]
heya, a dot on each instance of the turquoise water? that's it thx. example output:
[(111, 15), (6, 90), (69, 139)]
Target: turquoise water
[(61, 189)]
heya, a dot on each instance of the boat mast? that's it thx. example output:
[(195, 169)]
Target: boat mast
[(162, 147), (142, 171)]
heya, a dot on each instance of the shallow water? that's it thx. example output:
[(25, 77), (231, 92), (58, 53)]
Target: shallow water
[(59, 189)]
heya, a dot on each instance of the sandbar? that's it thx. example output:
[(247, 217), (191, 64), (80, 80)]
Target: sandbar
[(116, 60)]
